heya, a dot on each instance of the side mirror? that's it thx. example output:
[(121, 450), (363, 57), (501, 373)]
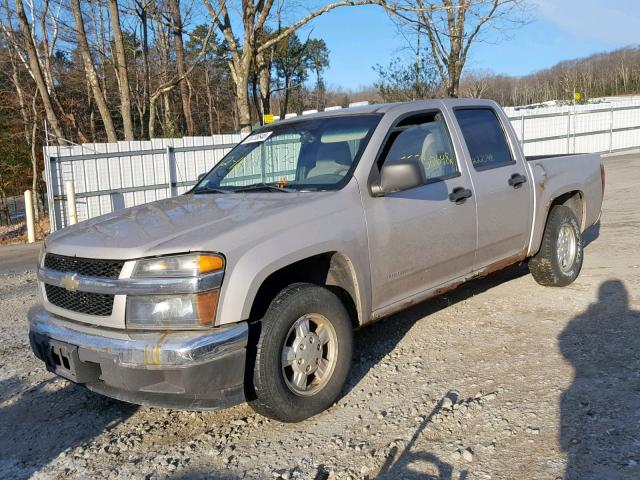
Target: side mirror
[(201, 176), (400, 175)]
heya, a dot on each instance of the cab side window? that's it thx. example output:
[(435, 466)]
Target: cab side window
[(425, 139), (485, 138)]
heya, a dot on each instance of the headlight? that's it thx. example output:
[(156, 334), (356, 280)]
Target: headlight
[(172, 311), (189, 265)]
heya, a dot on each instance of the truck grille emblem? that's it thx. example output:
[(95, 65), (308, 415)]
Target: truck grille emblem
[(70, 282)]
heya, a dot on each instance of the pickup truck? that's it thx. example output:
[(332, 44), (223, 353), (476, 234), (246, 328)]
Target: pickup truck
[(249, 286)]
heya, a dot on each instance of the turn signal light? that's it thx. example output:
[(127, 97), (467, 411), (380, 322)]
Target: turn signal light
[(206, 306), (210, 263)]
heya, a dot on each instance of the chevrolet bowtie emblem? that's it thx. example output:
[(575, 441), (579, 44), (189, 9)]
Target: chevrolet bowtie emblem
[(70, 282)]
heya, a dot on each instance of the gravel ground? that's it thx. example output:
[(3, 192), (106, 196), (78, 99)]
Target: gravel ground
[(499, 379)]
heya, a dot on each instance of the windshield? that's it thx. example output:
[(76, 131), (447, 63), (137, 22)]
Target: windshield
[(314, 154)]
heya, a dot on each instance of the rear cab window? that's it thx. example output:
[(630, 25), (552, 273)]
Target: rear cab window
[(485, 138), (423, 137)]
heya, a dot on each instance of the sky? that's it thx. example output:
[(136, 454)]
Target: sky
[(360, 37)]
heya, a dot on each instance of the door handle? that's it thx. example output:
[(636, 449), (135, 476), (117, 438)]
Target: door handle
[(459, 195), (516, 180)]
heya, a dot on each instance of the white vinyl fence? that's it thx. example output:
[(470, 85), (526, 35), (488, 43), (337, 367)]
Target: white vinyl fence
[(595, 128), (111, 176)]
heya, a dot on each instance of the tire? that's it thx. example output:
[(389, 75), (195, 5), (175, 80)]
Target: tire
[(280, 391), (559, 260)]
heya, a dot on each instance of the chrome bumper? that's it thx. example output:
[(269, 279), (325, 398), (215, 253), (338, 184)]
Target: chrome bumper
[(142, 350), (194, 370)]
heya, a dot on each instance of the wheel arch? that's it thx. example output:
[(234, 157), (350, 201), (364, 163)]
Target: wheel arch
[(333, 270), (574, 200)]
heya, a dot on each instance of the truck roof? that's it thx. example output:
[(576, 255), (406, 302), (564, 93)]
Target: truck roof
[(385, 107)]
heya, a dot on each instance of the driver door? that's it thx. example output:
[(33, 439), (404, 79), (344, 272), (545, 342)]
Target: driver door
[(419, 238)]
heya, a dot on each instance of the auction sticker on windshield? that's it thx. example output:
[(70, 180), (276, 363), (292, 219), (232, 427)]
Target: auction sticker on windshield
[(257, 137)]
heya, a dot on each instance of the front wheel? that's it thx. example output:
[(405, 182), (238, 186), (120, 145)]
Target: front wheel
[(303, 354), (559, 260)]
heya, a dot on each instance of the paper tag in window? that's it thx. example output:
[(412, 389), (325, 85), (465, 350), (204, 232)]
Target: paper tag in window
[(257, 137)]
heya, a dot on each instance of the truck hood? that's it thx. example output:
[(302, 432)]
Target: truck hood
[(211, 222)]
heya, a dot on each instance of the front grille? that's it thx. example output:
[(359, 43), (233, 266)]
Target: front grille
[(91, 267), (82, 302)]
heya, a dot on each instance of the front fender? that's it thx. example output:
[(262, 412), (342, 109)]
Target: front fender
[(343, 231)]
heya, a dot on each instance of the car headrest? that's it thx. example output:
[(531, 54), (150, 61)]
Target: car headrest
[(335, 152), (434, 141)]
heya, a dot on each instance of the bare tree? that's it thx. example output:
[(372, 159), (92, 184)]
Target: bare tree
[(453, 26), (476, 84), (178, 45), (33, 141), (121, 68), (262, 73), (34, 67), (169, 85), (91, 74), (253, 17), (30, 122)]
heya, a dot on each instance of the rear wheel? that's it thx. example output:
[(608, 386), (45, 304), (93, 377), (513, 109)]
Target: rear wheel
[(559, 260), (303, 354)]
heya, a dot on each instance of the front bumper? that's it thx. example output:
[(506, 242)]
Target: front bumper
[(194, 370)]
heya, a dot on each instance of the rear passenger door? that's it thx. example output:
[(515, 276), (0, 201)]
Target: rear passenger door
[(501, 186), (421, 238)]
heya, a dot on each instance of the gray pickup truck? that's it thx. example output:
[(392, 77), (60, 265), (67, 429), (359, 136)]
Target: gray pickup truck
[(249, 286)]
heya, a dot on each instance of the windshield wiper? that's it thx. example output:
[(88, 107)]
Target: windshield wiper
[(210, 190), (263, 186)]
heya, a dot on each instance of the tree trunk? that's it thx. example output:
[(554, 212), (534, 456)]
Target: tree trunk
[(453, 83), (36, 72), (98, 20), (236, 117), (92, 125), (207, 84), (242, 100), (257, 104), (121, 67), (146, 70), (319, 91), (34, 168), (152, 116), (174, 7), (168, 123), (90, 72), (287, 89), (264, 78), (142, 104), (17, 84), (34, 157), (153, 110)]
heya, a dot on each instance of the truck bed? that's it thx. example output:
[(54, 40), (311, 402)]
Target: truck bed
[(544, 157), (555, 175)]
